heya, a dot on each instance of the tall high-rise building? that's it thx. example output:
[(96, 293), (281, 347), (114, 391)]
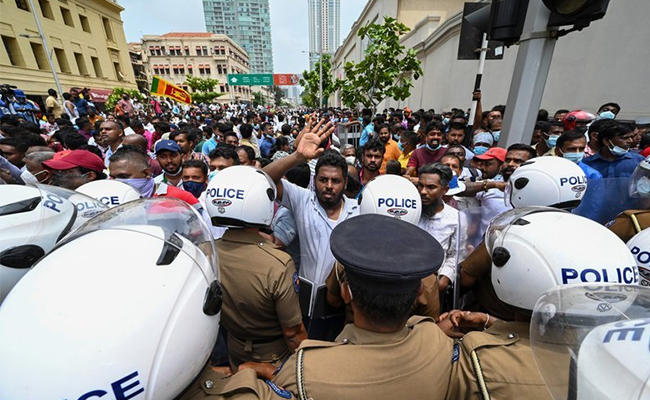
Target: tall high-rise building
[(248, 23), (324, 28)]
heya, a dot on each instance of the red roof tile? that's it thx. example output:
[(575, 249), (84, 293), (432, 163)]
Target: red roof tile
[(188, 34)]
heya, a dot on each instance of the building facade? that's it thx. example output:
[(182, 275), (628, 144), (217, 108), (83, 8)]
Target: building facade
[(324, 28), (589, 67), (139, 68), (248, 23), (174, 55), (86, 39)]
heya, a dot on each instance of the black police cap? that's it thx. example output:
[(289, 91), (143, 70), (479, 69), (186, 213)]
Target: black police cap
[(385, 250)]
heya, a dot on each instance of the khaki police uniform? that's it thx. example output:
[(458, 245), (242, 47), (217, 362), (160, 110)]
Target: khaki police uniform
[(479, 265), (629, 223), (497, 364), (259, 297), (413, 363), (427, 303)]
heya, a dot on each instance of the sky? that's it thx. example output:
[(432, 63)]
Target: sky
[(289, 30)]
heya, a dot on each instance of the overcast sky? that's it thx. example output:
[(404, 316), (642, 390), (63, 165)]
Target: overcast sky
[(289, 29)]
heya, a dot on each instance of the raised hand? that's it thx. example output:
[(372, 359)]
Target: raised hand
[(309, 147)]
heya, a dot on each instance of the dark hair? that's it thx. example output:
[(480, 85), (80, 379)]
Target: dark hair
[(611, 104), (561, 111), (599, 125), (523, 147), (645, 141), (457, 126), (500, 108), (74, 140), (615, 129), (246, 131), (224, 126), (249, 151), (136, 124), (542, 115), (263, 161), (411, 137), (299, 175), (230, 133), (19, 143), (92, 149), (546, 127), (32, 139), (198, 164), (162, 127), (332, 158), (393, 167), (190, 135), (67, 96), (279, 143), (130, 154), (378, 307), (224, 152), (434, 125), (264, 125), (569, 136), (286, 129), (374, 145), (443, 172), (51, 92)]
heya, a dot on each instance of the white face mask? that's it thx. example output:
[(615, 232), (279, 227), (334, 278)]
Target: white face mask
[(29, 178)]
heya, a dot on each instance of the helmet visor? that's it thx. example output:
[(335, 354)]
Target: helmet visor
[(87, 207), (499, 225), (640, 181)]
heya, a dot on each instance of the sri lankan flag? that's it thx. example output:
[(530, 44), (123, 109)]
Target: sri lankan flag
[(161, 87)]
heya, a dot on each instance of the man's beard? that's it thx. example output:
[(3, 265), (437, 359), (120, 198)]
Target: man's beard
[(430, 209), (372, 167), (329, 204), (174, 173), (506, 173)]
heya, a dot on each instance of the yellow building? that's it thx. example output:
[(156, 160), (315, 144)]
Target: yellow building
[(86, 38), (174, 55)]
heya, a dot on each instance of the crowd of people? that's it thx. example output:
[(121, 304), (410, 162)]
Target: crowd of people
[(439, 300)]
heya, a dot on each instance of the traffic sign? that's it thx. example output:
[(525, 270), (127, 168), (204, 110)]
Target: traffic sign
[(250, 79)]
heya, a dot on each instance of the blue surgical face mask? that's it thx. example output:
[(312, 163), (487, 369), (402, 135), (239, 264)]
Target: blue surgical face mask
[(575, 157), (607, 115), (196, 188), (143, 185), (618, 151), (433, 148), (212, 174), (496, 135), (400, 146), (478, 150), (445, 121), (551, 141)]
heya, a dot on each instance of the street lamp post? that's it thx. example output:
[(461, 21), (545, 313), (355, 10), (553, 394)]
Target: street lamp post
[(45, 47)]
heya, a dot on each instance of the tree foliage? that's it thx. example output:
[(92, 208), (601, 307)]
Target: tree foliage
[(258, 99), (278, 95), (386, 69), (114, 97), (311, 82), (203, 88)]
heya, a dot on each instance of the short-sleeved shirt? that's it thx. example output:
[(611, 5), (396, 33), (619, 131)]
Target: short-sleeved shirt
[(259, 295), (392, 153), (423, 156), (404, 159), (622, 167), (208, 146), (52, 103), (314, 229), (284, 229)]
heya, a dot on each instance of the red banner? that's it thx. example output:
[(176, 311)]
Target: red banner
[(286, 79)]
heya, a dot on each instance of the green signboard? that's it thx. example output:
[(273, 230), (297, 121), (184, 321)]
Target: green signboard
[(250, 79)]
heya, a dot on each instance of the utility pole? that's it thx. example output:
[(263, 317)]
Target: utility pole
[(46, 48), (529, 76), (320, 63)]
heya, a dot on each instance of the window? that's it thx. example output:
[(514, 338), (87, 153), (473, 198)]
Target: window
[(62, 60), (85, 25), (67, 17), (81, 64), (187, 50), (22, 4), (97, 67), (162, 51), (205, 50), (39, 55), (118, 71), (15, 56), (176, 70), (46, 9), (107, 29)]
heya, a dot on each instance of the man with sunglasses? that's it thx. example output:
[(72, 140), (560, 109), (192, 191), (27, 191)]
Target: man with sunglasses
[(71, 169)]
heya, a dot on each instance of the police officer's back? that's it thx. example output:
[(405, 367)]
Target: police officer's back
[(260, 308)]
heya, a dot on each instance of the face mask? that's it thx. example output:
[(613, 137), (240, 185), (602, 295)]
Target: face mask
[(643, 186), (575, 157), (212, 175), (143, 185), (180, 171), (552, 140), (606, 115), (478, 150), (399, 146), (194, 187), (433, 148), (618, 151), (29, 178), (496, 135), (445, 121)]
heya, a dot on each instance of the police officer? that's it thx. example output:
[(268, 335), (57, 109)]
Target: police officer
[(261, 312), (543, 181), (384, 354), (532, 252)]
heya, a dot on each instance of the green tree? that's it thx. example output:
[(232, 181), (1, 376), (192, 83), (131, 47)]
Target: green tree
[(386, 69), (114, 97), (258, 99), (278, 95), (203, 89), (311, 81)]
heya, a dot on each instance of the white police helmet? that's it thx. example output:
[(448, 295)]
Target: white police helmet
[(536, 248), (241, 196), (590, 341), (32, 220), (393, 196), (639, 245), (110, 192), (141, 320), (546, 181), (640, 180), (87, 207)]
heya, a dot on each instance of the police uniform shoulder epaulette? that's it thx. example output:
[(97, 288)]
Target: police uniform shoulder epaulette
[(496, 336), (274, 251), (319, 344)]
